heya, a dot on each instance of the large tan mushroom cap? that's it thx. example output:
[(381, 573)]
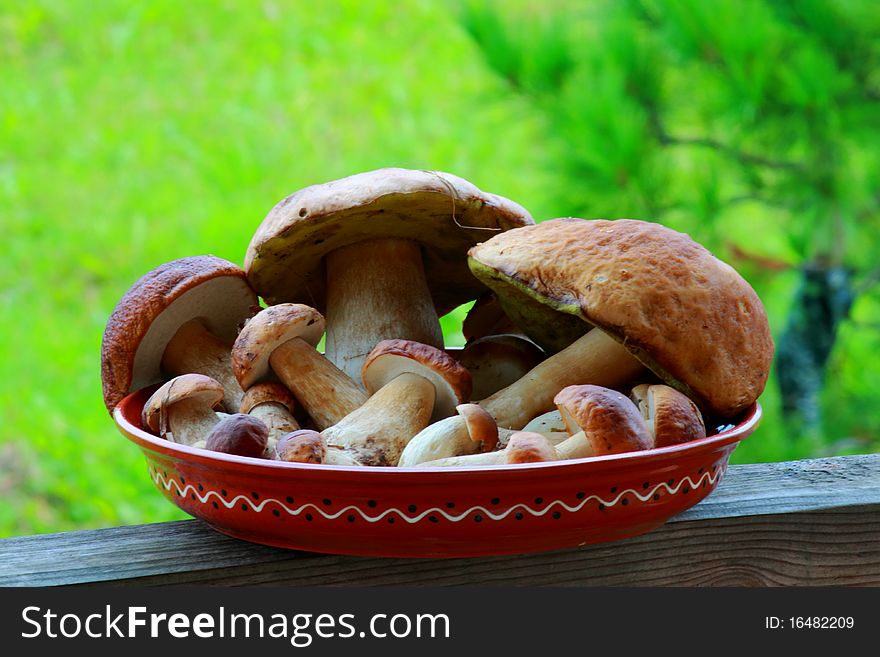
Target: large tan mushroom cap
[(444, 213), (148, 315), (683, 313)]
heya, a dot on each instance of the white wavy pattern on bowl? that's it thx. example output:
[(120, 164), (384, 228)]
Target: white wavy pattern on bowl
[(204, 496)]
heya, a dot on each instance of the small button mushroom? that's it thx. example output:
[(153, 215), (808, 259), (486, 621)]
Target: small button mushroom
[(180, 318), (383, 251), (282, 339), (239, 434), (523, 447), (497, 361), (411, 384), (307, 446), (481, 426), (671, 417), (273, 404), (182, 410), (601, 421)]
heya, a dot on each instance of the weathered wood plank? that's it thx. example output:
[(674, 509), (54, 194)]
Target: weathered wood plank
[(807, 522)]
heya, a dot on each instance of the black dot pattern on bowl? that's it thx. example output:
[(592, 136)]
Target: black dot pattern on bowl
[(645, 485), (495, 500), (193, 495), (350, 518), (244, 507), (433, 519), (614, 489), (390, 520), (289, 499), (214, 504), (327, 502), (656, 496), (539, 500), (556, 515), (624, 501), (581, 495), (223, 492), (685, 490), (255, 495), (411, 508), (183, 481), (518, 516), (201, 488), (478, 518), (450, 505), (670, 482), (371, 504), (276, 513), (309, 517), (601, 507)]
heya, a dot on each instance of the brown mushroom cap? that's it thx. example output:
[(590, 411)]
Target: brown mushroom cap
[(391, 358), (671, 417), (239, 434), (186, 387), (284, 259), (481, 426), (268, 329), (496, 361), (528, 447), (150, 312), (303, 446), (683, 313), (611, 422), (268, 392)]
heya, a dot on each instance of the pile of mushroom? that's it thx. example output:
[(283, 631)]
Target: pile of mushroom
[(586, 338)]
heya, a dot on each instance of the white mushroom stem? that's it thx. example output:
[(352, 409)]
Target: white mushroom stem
[(188, 422), (376, 290), (378, 431), (194, 349), (553, 437), (524, 447), (575, 447), (277, 419), (327, 393), (593, 358)]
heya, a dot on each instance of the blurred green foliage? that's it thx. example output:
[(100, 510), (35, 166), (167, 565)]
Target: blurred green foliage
[(135, 133)]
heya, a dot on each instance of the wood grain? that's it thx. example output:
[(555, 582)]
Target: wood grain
[(814, 522)]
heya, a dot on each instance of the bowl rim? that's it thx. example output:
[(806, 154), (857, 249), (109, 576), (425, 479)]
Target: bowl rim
[(269, 467)]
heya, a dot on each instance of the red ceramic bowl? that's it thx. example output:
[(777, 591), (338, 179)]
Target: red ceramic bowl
[(434, 512)]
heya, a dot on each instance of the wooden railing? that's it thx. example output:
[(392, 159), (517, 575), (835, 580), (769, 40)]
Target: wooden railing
[(813, 522)]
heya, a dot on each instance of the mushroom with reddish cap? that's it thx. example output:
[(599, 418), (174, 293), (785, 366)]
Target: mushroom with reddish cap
[(523, 447), (273, 404), (658, 299), (181, 318), (282, 339), (602, 422), (239, 434), (182, 410), (308, 446), (410, 385), (383, 251), (671, 417), (496, 361)]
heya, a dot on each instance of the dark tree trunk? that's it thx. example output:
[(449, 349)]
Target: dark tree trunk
[(822, 301)]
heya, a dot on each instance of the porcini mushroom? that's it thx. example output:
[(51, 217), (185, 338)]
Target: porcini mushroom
[(307, 446), (182, 410), (601, 422), (656, 298), (409, 384), (273, 404), (523, 447), (239, 434), (496, 361), (383, 251), (181, 318), (671, 417), (282, 339)]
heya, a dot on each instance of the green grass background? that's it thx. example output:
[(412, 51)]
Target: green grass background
[(132, 134)]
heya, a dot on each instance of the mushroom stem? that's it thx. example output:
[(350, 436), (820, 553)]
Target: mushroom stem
[(195, 350), (378, 431), (376, 290), (524, 447), (327, 393), (575, 447), (593, 358), (190, 422), (277, 419)]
